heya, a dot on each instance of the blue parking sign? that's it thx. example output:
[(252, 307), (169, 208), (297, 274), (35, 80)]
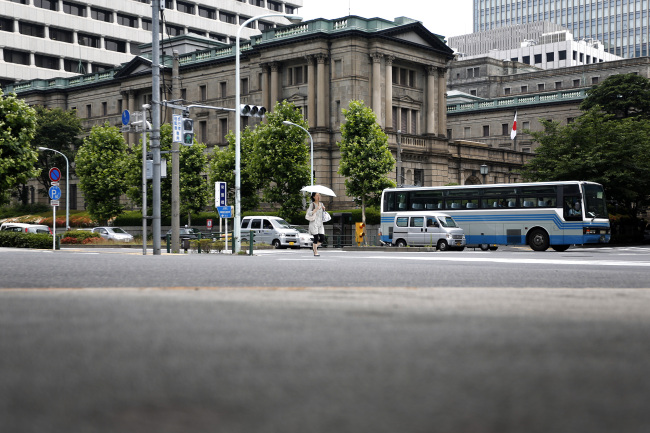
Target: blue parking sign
[(54, 192)]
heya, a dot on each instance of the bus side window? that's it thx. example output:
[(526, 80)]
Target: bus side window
[(389, 202)]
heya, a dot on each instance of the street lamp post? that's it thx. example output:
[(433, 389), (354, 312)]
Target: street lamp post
[(67, 186), (286, 122), (237, 223)]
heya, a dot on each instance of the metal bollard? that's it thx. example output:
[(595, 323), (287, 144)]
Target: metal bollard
[(168, 239), (199, 240), (252, 238)]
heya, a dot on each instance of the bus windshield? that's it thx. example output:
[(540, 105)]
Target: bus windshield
[(595, 204)]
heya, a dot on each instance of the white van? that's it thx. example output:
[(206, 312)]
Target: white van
[(427, 229), (270, 230)]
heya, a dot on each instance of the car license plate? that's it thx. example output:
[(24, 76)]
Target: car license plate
[(458, 243), (290, 243)]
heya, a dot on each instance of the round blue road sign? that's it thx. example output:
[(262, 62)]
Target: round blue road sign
[(55, 174), (54, 192), (126, 117)]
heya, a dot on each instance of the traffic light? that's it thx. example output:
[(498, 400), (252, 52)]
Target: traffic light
[(252, 110), (188, 131), (360, 233)]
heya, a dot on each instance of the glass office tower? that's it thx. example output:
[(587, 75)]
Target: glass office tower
[(621, 25)]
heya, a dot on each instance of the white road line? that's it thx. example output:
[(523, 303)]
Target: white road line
[(564, 261)]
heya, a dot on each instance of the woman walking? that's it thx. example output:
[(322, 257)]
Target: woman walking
[(315, 218)]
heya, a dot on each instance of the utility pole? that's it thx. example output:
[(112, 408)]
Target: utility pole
[(155, 120), (176, 184)]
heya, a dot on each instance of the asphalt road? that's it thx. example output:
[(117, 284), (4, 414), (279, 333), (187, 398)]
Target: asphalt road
[(511, 341)]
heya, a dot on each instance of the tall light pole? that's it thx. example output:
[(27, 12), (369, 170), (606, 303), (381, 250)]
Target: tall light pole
[(237, 224), (155, 120), (286, 122), (67, 186)]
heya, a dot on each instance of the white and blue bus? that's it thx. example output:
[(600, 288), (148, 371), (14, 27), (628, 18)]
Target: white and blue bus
[(540, 214)]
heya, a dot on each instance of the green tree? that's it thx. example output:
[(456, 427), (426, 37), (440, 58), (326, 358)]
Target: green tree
[(622, 95), (59, 130), (17, 158), (101, 168), (222, 169), (615, 153), (365, 156), (281, 156), (192, 162)]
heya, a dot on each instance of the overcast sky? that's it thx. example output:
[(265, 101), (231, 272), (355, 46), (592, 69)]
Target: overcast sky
[(443, 17)]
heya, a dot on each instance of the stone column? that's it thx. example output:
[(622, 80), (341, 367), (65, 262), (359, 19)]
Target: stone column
[(132, 137), (311, 92), (389, 91), (432, 100), (321, 106), (265, 86), (376, 85), (275, 91), (442, 102)]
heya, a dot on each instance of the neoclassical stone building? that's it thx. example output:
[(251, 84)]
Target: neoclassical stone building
[(398, 68)]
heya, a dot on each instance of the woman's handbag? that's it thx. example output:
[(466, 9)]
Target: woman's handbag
[(326, 216)]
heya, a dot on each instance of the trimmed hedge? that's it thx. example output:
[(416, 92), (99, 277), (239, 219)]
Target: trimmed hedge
[(25, 240)]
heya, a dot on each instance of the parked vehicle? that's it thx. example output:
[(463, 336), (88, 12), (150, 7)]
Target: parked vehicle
[(25, 228), (427, 229), (270, 230), (306, 239), (113, 234), (183, 233)]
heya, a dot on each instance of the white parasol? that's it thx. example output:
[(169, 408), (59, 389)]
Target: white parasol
[(319, 189)]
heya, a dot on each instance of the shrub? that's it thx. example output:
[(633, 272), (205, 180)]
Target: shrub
[(69, 240), (92, 240), (206, 245), (25, 240), (79, 236), (218, 245)]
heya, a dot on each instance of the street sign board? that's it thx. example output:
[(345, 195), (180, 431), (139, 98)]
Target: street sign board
[(224, 211), (54, 192), (54, 202), (220, 193), (209, 224), (55, 174), (125, 128), (177, 130), (126, 117)]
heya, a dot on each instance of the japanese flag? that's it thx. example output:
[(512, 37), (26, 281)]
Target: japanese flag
[(513, 133)]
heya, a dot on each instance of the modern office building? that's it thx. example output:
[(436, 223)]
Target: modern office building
[(551, 51), (54, 38), (622, 25), (503, 38)]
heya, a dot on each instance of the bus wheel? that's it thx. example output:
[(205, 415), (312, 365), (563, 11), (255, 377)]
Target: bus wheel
[(400, 243), (560, 248), (442, 245), (484, 247), (538, 240)]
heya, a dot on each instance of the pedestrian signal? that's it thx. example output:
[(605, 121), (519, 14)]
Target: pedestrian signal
[(188, 131)]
